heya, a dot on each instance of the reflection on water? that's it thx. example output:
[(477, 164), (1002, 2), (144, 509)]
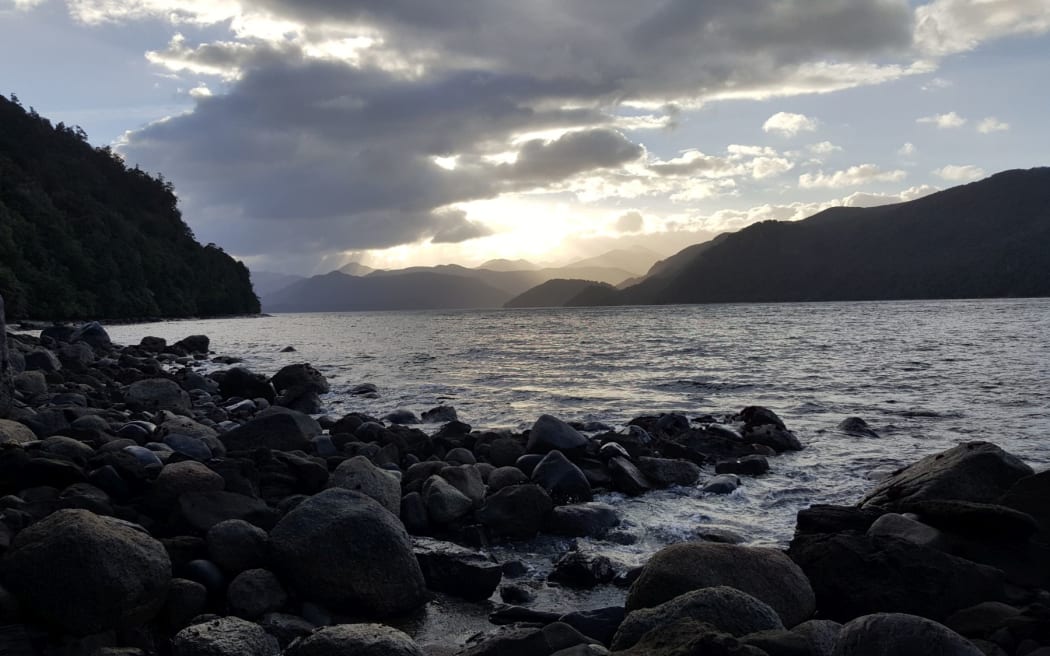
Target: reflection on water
[(925, 375)]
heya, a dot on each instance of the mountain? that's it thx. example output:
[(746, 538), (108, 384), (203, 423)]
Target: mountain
[(509, 265), (268, 282), (355, 269), (636, 259), (554, 293), (338, 292), (984, 239), (84, 236)]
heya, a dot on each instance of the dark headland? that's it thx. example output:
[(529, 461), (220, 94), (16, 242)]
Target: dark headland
[(150, 506)]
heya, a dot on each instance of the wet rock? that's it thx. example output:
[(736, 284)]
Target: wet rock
[(443, 502), (721, 484), (280, 431), (582, 520), (756, 415), (93, 334), (856, 427), (466, 479), (180, 478), (356, 639), (516, 512), (343, 549), (754, 465), (199, 511), (664, 472), (502, 477), (766, 574), (440, 415), (726, 609), (505, 451), (15, 432), (689, 636), (42, 360), (516, 594), (402, 417), (236, 546), (983, 521), (157, 394), (191, 447), (893, 634), (206, 573), (778, 439), (82, 574), (242, 383), (186, 600), (456, 570), (562, 480), (820, 635), (627, 478), (153, 344), (671, 424), (358, 473), (226, 636), (255, 592), (550, 433), (1031, 495), (529, 642), (302, 377), (460, 456), (582, 569), (30, 383), (599, 623), (975, 471), (905, 528), (826, 518), (286, 628), (854, 575), (194, 343)]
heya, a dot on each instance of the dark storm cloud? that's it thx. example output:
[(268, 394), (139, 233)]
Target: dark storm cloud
[(302, 152)]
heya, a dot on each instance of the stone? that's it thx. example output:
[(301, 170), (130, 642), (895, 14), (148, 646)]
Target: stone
[(983, 521), (402, 417), (627, 478), (6, 370), (42, 360), (343, 549), (974, 471), (721, 484), (563, 481), (358, 473), (186, 600), (582, 520), (466, 479), (1031, 495), (157, 394), (854, 575), (820, 635), (778, 439), (199, 511), (549, 433), (905, 528), (187, 426), (766, 574), (153, 344), (756, 415), (856, 427), (502, 477), (255, 592), (92, 333), (827, 518), (982, 619), (356, 639), (528, 642), (753, 465), (235, 545), (599, 623), (516, 512), (460, 456), (664, 472), (440, 415), (30, 383), (444, 503), (279, 431), (286, 628), (226, 636), (727, 609), (179, 478), (893, 634), (302, 377), (456, 570), (242, 383), (81, 573), (15, 432), (195, 343), (686, 636), (191, 447), (505, 451), (582, 569)]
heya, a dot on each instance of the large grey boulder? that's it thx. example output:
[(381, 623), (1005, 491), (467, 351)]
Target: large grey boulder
[(279, 431), (343, 549), (552, 433), (766, 574), (157, 394), (727, 609), (517, 511), (81, 573), (975, 471), (358, 473), (15, 432), (893, 634), (5, 366), (356, 639), (226, 636)]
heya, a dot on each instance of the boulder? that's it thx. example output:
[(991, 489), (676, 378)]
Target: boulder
[(505, 451), (195, 343), (582, 520), (727, 609), (255, 592), (550, 433), (753, 465), (856, 427), (242, 383), (358, 473), (766, 574), (15, 432), (279, 431), (778, 439), (893, 634), (153, 344), (546, 641), (440, 415), (500, 477), (854, 575), (356, 639), (721, 484), (286, 628), (975, 471), (179, 478), (686, 636), (756, 415), (982, 521), (443, 502), (191, 447), (6, 370), (564, 481), (93, 334), (517, 512), (302, 377), (467, 479), (599, 623), (187, 426), (81, 573), (582, 569), (226, 636), (401, 416), (343, 549), (627, 478), (30, 383), (157, 394), (456, 570), (235, 545), (198, 511), (664, 472)]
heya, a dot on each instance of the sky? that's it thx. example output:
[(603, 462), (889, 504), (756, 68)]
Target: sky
[(304, 134)]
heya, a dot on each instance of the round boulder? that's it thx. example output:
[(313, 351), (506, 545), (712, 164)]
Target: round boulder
[(157, 394), (356, 639), (15, 432), (254, 593), (552, 433), (358, 473), (226, 636), (82, 573), (891, 634), (343, 549), (766, 574), (235, 545)]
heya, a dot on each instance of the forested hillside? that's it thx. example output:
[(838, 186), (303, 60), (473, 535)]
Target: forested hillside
[(84, 236)]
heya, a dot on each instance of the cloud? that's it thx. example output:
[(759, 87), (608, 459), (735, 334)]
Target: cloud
[(959, 173), (457, 228), (944, 27), (907, 150), (992, 124), (540, 161), (824, 148), (630, 222), (851, 177), (786, 124), (944, 121)]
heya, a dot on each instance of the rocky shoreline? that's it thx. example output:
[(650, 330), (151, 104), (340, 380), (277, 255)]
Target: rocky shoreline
[(147, 507)]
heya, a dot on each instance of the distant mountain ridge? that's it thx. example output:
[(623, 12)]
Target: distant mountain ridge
[(556, 293), (983, 239)]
